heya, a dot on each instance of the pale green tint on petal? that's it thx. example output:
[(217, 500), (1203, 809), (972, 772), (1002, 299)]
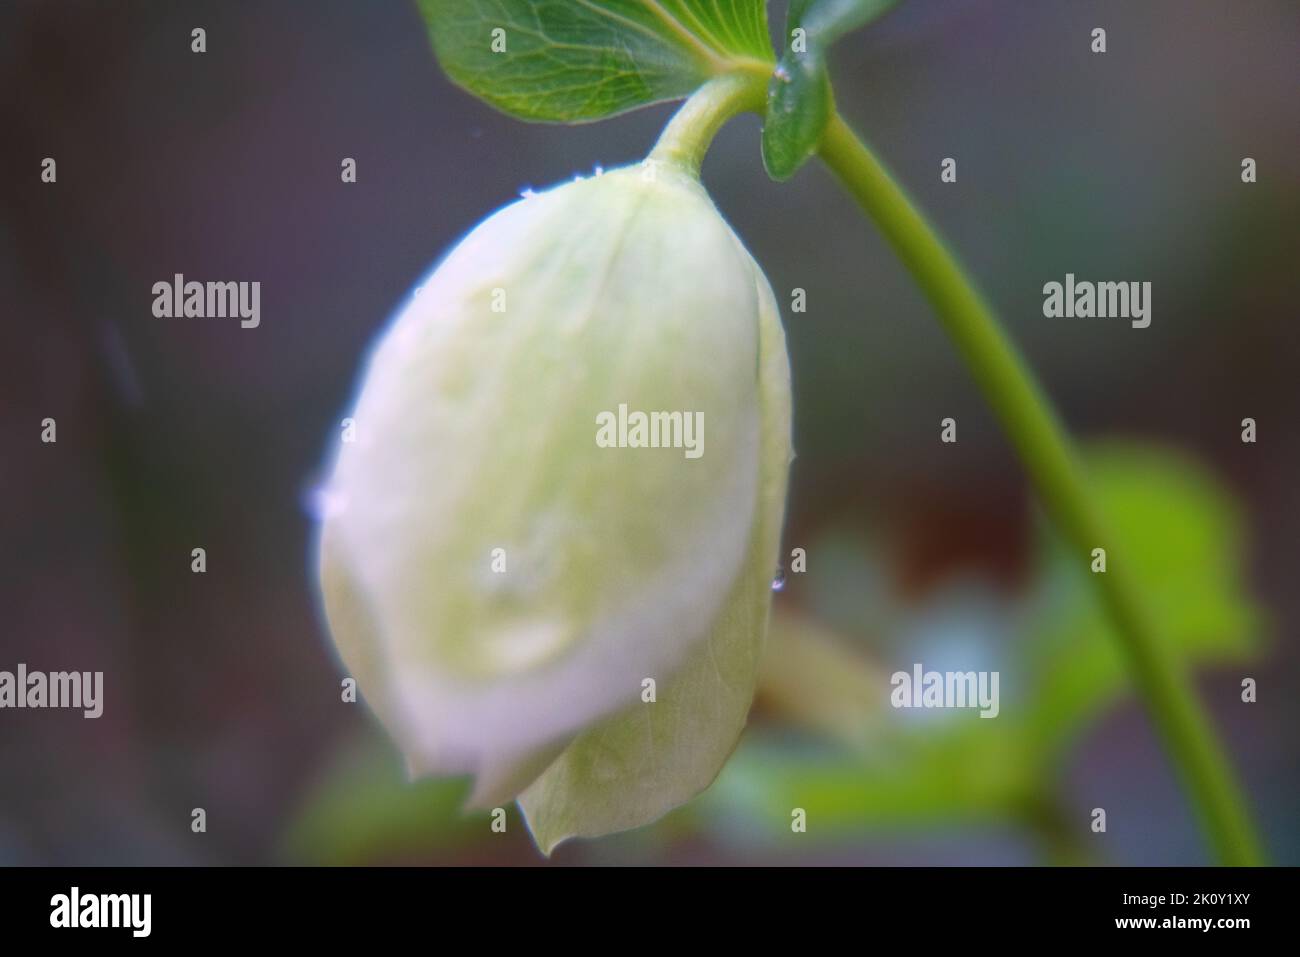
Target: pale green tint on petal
[(632, 768), (476, 430)]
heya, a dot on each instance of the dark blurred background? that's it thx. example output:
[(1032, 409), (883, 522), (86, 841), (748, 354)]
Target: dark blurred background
[(221, 689)]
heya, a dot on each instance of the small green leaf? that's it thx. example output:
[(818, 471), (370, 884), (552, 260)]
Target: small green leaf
[(799, 93), (798, 106), (571, 61)]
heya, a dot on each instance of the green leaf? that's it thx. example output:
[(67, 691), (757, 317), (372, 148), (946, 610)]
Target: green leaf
[(1182, 534), (570, 61), (798, 108), (799, 93)]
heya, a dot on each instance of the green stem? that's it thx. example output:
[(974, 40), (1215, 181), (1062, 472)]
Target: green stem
[(688, 134), (1040, 440)]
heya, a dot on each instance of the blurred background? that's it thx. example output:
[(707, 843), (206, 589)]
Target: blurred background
[(222, 690)]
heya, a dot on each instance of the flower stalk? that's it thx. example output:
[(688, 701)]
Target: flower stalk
[(1040, 440), (688, 134)]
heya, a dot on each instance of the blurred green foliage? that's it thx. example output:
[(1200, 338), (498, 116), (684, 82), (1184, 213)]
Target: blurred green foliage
[(831, 744), (364, 810), (1184, 536)]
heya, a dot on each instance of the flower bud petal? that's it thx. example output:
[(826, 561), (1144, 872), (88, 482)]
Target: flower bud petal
[(637, 765), (476, 430)]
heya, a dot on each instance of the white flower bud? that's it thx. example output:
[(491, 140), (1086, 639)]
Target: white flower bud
[(484, 422)]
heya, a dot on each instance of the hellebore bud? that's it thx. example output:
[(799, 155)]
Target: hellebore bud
[(568, 477)]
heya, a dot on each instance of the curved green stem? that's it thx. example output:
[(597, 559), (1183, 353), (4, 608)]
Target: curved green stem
[(688, 134), (1040, 440)]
